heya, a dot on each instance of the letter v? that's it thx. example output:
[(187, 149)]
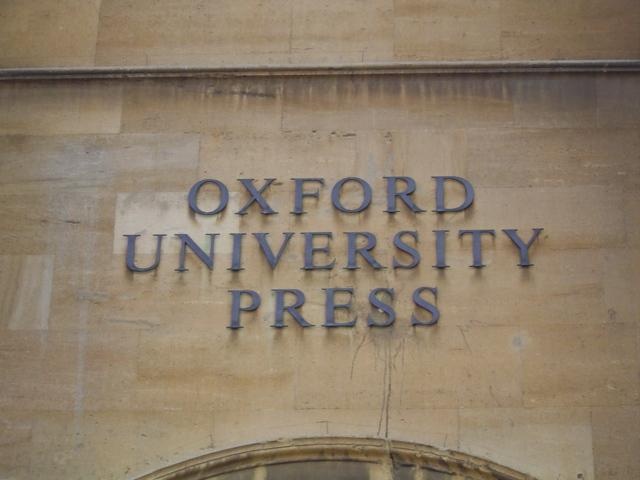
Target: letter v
[(266, 249)]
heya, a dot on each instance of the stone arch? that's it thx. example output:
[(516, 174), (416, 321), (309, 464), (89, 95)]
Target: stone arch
[(338, 458)]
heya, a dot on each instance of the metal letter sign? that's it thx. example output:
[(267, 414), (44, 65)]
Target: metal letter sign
[(400, 194)]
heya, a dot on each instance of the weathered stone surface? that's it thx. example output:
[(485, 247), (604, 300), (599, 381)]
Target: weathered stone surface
[(185, 32), (544, 442), (80, 440), (239, 427), (111, 374), (437, 427), (482, 369), (39, 370), (188, 106), (25, 283), (560, 101), (579, 365), (58, 33), (14, 450), (347, 31), (445, 30), (539, 157), (580, 29), (84, 162), (615, 441), (384, 103), (60, 108), (45, 222), (619, 102)]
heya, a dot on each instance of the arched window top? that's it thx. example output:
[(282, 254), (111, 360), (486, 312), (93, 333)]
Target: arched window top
[(336, 458)]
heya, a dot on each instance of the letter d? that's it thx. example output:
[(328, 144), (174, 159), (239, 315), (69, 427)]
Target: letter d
[(468, 194)]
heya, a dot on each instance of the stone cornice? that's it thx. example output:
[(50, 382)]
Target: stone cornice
[(408, 68)]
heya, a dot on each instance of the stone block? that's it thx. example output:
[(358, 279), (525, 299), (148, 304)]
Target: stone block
[(461, 367), (619, 102), (16, 431), (195, 106), (616, 441), (441, 30), (381, 103), (543, 442), (580, 365), (59, 107), (123, 444), (25, 283), (567, 225), (178, 32), (48, 34), (218, 369), (241, 427), (542, 157), (435, 427), (580, 29), (39, 370), (350, 26), (85, 162), (560, 101)]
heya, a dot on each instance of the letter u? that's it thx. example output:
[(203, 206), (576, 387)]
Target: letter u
[(131, 253)]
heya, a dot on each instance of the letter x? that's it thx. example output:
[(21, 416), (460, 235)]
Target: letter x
[(256, 196)]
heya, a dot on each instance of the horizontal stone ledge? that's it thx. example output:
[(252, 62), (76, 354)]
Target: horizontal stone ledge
[(405, 68)]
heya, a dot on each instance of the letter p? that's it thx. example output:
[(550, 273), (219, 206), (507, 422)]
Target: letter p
[(236, 305)]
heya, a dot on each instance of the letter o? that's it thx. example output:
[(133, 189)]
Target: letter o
[(193, 196), (337, 188)]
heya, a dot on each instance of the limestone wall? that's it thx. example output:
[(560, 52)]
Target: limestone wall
[(266, 32), (109, 374)]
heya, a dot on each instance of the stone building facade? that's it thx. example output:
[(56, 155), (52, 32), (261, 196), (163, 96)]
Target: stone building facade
[(112, 110)]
